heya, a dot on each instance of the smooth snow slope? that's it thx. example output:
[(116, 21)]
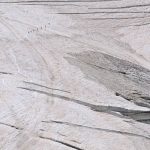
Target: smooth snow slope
[(74, 74)]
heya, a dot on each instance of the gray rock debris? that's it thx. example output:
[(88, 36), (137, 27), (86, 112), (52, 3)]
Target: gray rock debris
[(126, 79)]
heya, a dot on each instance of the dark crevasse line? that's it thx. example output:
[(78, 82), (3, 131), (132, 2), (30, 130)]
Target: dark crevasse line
[(98, 108), (123, 7), (132, 25), (1, 72), (104, 12), (44, 4), (12, 126), (144, 24), (97, 129), (64, 1), (32, 83), (61, 142), (119, 18), (92, 106)]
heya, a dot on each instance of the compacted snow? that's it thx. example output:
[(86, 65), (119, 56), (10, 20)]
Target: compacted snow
[(74, 75)]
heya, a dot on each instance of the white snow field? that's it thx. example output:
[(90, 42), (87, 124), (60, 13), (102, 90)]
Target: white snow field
[(74, 75)]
